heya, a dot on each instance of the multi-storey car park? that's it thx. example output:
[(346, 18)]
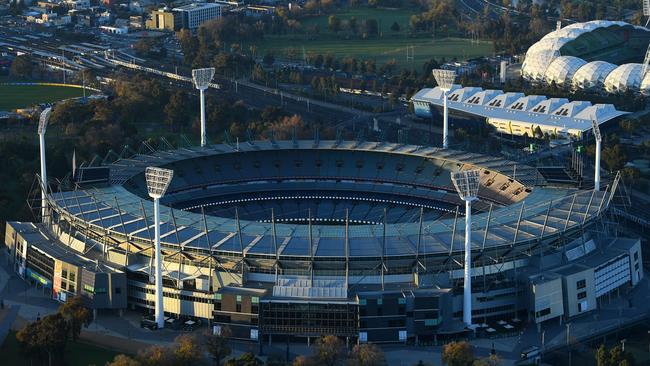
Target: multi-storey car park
[(359, 239)]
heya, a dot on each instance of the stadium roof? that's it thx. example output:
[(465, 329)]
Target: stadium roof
[(532, 109), (553, 58), (547, 212)]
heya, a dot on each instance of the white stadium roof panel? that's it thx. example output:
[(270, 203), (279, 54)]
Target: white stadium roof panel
[(461, 94), (592, 75), (526, 103), (482, 97), (548, 105), (562, 69), (555, 113), (571, 109), (504, 100), (623, 78), (535, 65)]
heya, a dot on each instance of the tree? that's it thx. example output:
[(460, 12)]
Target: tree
[(22, 66), (187, 350), (304, 361), (247, 359), (394, 27), (367, 355), (330, 350), (217, 345), (614, 157), (176, 110), (123, 360), (457, 354), (75, 314), (333, 23)]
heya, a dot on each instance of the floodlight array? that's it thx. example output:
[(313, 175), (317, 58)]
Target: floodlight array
[(445, 78), (646, 8), (43, 120), (158, 180), (596, 129), (466, 183), (202, 77)]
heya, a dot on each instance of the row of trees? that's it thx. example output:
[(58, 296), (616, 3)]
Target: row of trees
[(44, 340)]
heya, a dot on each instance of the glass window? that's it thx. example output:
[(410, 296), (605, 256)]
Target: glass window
[(238, 298), (380, 301), (72, 276), (581, 284)]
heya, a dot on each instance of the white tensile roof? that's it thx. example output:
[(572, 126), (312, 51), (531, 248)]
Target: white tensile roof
[(534, 109)]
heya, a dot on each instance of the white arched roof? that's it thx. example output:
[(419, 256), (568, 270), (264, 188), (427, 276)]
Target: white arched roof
[(543, 61), (623, 78), (592, 75), (562, 69), (534, 67)]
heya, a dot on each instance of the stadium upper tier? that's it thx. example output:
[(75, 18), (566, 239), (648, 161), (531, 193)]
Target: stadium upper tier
[(516, 113), (584, 56), (116, 208)]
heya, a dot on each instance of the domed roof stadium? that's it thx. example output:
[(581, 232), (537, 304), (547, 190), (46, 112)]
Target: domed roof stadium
[(560, 55), (623, 78), (534, 67), (592, 75), (562, 69)]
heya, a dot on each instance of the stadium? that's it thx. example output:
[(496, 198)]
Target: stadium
[(598, 56), (359, 239)]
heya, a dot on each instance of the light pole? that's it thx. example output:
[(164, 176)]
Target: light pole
[(202, 78), (568, 345), (598, 137), (158, 180), (42, 127), (467, 183), (445, 80), (623, 344)]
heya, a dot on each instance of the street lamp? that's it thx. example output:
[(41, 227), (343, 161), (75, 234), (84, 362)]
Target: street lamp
[(568, 345), (445, 80), (598, 137), (467, 183), (202, 78), (158, 180), (42, 127)]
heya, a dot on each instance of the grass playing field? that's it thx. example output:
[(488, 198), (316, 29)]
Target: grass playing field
[(21, 96), (390, 45)]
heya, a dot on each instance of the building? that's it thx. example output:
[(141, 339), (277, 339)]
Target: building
[(515, 113), (598, 56), (62, 271), (164, 19), (195, 14), (277, 239)]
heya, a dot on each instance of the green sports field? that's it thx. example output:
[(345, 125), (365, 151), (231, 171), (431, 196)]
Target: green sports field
[(21, 96), (390, 45)]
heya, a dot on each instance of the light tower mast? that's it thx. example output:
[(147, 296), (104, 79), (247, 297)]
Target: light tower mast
[(202, 79), (598, 137), (158, 180), (467, 183), (445, 80), (42, 127)]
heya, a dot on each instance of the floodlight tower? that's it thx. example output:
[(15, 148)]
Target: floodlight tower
[(42, 126), (466, 183), (646, 11), (158, 180), (445, 79), (599, 139), (202, 79)]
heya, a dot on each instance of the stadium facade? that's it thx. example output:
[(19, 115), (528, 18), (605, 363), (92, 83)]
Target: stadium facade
[(599, 56), (304, 238), (514, 113)]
